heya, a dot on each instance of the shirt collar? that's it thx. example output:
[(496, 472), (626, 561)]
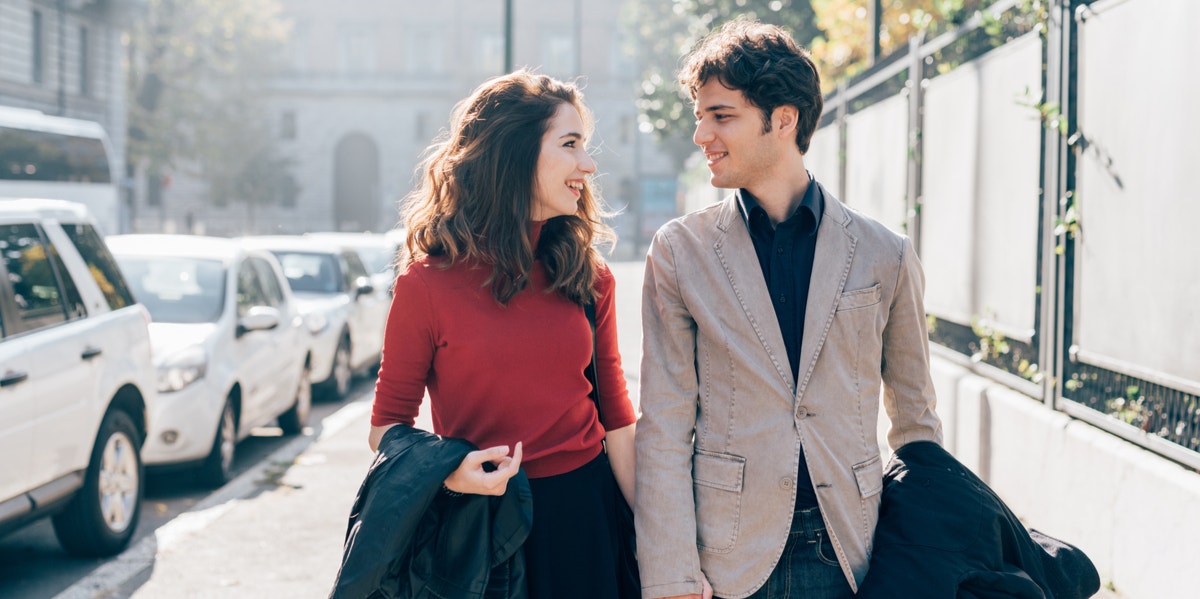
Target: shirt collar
[(810, 202)]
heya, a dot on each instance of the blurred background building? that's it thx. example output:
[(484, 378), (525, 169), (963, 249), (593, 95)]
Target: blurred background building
[(364, 86)]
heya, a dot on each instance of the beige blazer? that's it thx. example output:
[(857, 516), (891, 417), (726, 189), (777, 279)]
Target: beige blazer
[(723, 422)]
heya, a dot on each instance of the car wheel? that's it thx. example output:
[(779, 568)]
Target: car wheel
[(338, 385), (101, 518), (293, 421), (217, 468)]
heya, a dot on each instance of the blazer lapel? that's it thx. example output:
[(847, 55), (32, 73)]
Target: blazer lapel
[(831, 265), (735, 250)]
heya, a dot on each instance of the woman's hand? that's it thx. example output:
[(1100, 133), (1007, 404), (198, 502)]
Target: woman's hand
[(470, 477)]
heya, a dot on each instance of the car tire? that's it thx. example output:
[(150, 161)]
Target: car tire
[(217, 468), (100, 519), (295, 419), (337, 386)]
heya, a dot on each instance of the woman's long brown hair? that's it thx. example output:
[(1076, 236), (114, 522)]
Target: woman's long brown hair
[(477, 186)]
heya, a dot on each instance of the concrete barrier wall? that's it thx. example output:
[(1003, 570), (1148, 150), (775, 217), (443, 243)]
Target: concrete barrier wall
[(1135, 514)]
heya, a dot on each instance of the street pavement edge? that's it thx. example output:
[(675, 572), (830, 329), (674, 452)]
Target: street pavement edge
[(106, 581)]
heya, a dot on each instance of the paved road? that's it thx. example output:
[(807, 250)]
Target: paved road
[(34, 566)]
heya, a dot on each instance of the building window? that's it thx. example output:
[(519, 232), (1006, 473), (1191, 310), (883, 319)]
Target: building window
[(154, 189), (425, 52), (287, 125), (37, 55), (85, 63), (421, 128), (299, 47), (358, 49), (491, 53), (558, 55)]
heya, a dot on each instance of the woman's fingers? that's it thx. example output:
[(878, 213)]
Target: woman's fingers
[(470, 476)]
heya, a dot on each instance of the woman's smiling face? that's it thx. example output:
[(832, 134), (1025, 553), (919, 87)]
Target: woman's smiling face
[(563, 165)]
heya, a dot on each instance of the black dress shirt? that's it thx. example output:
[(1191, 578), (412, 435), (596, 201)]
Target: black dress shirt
[(785, 253)]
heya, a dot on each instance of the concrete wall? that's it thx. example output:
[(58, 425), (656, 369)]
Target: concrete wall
[(1135, 514)]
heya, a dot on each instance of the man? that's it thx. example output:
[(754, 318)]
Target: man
[(771, 322)]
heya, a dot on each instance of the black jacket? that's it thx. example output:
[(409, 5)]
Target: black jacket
[(408, 539), (944, 534)]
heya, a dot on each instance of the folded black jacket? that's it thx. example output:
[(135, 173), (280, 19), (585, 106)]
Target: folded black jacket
[(407, 539), (944, 534)]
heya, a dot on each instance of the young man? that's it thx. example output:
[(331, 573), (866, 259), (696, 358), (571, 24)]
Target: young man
[(771, 322)]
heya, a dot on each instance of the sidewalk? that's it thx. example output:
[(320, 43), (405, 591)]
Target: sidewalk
[(275, 531)]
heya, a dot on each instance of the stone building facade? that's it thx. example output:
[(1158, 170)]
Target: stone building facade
[(367, 84)]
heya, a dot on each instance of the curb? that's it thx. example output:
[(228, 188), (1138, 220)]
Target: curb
[(106, 581)]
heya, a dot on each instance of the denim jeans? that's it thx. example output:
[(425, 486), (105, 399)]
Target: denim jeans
[(808, 568)]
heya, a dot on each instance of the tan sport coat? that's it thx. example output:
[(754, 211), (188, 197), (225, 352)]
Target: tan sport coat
[(723, 422)]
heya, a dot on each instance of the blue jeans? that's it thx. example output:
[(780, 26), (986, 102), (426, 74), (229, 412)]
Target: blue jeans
[(808, 568)]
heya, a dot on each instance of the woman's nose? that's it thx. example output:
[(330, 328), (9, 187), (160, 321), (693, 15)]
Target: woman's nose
[(587, 165)]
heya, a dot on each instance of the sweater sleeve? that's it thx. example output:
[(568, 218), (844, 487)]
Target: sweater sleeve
[(408, 346), (614, 395)]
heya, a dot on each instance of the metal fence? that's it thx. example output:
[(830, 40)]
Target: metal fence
[(1048, 201)]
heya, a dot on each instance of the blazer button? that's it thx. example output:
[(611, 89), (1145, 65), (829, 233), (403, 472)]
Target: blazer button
[(785, 483), (801, 413)]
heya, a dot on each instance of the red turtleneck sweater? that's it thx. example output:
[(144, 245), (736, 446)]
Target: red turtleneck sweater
[(497, 374)]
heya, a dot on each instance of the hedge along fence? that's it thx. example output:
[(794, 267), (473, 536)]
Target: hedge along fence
[(1046, 192)]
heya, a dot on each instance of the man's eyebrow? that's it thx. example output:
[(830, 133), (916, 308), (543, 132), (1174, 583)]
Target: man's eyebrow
[(715, 107)]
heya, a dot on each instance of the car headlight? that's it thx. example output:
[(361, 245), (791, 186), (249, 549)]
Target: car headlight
[(316, 322), (182, 369)]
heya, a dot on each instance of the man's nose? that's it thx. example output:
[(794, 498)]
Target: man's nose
[(702, 135)]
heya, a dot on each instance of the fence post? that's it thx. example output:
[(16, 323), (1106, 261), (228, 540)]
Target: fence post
[(915, 98)]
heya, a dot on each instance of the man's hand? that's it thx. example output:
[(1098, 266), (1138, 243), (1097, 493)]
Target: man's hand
[(470, 477), (705, 593)]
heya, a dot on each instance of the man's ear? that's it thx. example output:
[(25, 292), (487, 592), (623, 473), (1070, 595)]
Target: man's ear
[(785, 118)]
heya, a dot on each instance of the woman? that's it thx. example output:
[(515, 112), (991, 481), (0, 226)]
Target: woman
[(488, 316)]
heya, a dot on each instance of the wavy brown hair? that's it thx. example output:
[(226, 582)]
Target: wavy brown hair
[(477, 185)]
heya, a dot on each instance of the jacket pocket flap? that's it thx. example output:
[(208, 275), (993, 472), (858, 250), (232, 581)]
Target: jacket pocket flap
[(869, 475), (860, 298), (718, 470)]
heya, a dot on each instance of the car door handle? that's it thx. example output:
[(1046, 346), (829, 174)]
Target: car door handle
[(12, 378), (90, 352)]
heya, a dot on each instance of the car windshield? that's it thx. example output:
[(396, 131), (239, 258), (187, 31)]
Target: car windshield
[(377, 259), (178, 290), (310, 272)]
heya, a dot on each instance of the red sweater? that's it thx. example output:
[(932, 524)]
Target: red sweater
[(497, 374)]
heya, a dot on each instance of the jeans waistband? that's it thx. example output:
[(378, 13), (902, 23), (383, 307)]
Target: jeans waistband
[(808, 522)]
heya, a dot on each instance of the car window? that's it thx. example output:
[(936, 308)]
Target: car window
[(31, 272), (249, 289), (101, 264), (353, 267), (73, 301), (269, 280), (177, 290), (311, 272)]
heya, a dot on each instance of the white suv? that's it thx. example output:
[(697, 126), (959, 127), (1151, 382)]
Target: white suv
[(76, 379)]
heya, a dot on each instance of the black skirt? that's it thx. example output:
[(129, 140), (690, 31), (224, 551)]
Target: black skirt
[(572, 548)]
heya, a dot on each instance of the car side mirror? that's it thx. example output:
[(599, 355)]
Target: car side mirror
[(363, 286), (258, 318)]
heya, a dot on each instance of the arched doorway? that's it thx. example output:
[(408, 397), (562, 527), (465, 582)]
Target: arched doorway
[(356, 184)]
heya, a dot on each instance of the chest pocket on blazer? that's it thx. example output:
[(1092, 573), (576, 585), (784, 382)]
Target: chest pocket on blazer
[(718, 487), (860, 298)]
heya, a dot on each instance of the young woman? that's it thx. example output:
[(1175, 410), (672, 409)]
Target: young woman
[(488, 316)]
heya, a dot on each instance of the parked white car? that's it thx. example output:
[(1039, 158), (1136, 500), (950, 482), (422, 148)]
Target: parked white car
[(229, 343), (377, 251), (77, 388), (340, 306)]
